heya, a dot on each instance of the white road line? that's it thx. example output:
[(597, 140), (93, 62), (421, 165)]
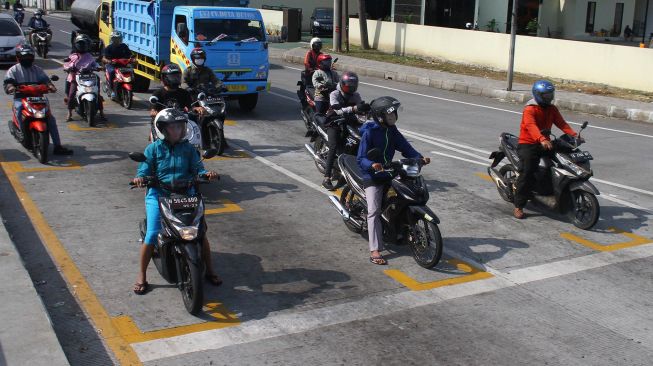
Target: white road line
[(485, 152), (284, 96), (373, 306), (459, 158), (63, 31), (638, 190), (446, 146), (625, 203), (485, 106)]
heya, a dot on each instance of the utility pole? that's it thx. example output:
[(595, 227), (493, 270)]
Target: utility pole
[(337, 25), (645, 21), (513, 37), (345, 21)]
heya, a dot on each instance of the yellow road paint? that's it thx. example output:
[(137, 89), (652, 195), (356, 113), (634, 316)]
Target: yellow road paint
[(82, 290), (230, 122), (227, 207), (237, 154), (17, 167), (76, 127), (484, 176), (222, 318), (634, 241), (472, 274)]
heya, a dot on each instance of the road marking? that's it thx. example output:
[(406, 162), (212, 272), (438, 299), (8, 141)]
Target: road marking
[(88, 300), (638, 190), (76, 127), (484, 176), (373, 306), (635, 240), (17, 167), (284, 96), (459, 158), (230, 122), (63, 31), (472, 274), (237, 154), (227, 207), (484, 106), (221, 318)]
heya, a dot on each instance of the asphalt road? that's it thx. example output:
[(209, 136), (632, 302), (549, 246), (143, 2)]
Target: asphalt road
[(298, 286)]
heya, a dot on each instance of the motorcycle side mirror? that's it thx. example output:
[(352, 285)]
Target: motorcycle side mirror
[(210, 153), (334, 61), (137, 157), (584, 125), (201, 96), (67, 59), (54, 78), (374, 154), (154, 100)]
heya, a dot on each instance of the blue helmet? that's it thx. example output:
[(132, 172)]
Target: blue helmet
[(543, 92)]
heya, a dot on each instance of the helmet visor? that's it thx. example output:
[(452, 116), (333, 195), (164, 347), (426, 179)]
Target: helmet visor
[(547, 97), (173, 79)]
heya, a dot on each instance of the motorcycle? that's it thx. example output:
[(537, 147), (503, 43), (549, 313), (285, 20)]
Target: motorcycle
[(87, 94), (405, 217), (349, 134), (19, 16), (306, 95), (177, 254), (193, 132), (212, 122), (42, 45), (122, 82), (33, 133), (562, 177)]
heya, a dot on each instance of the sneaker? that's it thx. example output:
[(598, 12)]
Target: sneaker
[(326, 183), (60, 150), (518, 213)]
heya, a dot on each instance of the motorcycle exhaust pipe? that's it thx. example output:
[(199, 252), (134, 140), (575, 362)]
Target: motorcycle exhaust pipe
[(496, 177), (343, 211), (312, 152)]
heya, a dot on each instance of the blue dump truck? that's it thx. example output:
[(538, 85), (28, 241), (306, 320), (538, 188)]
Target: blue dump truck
[(162, 31)]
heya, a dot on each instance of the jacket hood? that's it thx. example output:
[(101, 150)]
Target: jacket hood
[(370, 125), (532, 102)]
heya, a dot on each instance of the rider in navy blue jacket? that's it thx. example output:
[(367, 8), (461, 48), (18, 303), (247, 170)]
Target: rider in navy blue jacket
[(380, 133)]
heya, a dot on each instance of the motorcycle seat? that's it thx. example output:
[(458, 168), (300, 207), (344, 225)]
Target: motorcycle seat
[(511, 140), (349, 163), (311, 91)]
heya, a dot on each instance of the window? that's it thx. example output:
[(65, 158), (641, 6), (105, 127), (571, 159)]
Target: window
[(228, 30), (104, 13), (591, 13), (618, 19), (181, 28), (9, 28)]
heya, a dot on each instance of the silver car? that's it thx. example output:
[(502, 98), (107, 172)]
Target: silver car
[(11, 35)]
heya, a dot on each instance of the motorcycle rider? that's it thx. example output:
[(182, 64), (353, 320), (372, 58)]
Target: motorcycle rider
[(171, 158), (80, 59), (25, 72), (538, 114), (18, 6), (171, 95), (115, 50), (324, 81), (198, 74), (37, 23), (344, 102), (310, 62), (381, 132)]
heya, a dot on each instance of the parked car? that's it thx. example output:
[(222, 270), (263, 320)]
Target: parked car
[(322, 21), (11, 35)]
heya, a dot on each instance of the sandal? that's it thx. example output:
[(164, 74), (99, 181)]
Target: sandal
[(141, 288), (213, 279), (378, 260)]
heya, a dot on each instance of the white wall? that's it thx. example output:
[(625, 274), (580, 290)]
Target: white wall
[(273, 20), (574, 13), (307, 7), (583, 61), (492, 9)]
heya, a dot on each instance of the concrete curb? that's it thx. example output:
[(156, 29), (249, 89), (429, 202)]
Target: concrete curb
[(612, 111), (26, 333)]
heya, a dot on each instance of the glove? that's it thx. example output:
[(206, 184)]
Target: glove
[(363, 107)]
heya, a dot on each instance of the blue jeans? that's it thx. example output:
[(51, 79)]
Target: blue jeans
[(110, 69), (52, 123)]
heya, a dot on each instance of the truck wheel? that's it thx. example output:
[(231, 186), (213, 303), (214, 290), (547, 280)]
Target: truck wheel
[(141, 84), (248, 102)]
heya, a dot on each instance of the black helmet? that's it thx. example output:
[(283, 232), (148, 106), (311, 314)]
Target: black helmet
[(82, 43), (168, 117), (383, 107), (24, 52), (349, 82), (39, 12), (171, 76), (198, 54)]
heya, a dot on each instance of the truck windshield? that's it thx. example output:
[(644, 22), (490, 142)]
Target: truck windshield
[(9, 28), (232, 30)]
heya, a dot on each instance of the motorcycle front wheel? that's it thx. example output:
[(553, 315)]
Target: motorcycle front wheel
[(192, 291), (425, 241), (584, 210), (217, 141), (127, 98), (40, 142), (89, 111)]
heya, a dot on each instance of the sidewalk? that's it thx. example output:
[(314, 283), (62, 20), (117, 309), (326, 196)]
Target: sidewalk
[(26, 334), (577, 102)]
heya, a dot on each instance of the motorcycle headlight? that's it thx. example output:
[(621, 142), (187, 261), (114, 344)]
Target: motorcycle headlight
[(127, 79), (262, 72), (39, 114), (188, 232), (578, 170), (88, 89), (316, 23), (412, 170)]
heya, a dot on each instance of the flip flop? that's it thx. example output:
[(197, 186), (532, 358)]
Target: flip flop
[(380, 261), (214, 280), (141, 288)]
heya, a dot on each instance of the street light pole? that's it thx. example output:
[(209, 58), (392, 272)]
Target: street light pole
[(645, 21), (513, 37), (337, 24)]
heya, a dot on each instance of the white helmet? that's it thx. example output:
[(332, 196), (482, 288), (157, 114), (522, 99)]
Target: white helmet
[(316, 42), (168, 116)]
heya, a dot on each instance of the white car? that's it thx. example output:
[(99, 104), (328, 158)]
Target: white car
[(11, 35)]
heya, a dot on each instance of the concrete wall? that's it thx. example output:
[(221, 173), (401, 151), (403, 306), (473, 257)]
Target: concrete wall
[(583, 61), (273, 20), (492, 9), (307, 7)]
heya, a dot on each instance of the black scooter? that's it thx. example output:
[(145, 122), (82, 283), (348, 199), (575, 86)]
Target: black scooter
[(406, 219), (562, 177), (177, 253)]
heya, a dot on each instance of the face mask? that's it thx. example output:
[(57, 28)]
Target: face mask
[(199, 62), (26, 63), (391, 119)]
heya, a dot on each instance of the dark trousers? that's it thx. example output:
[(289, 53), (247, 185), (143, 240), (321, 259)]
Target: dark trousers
[(321, 106), (529, 154), (334, 145)]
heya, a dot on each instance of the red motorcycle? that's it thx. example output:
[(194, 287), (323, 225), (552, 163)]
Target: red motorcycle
[(33, 134), (122, 82)]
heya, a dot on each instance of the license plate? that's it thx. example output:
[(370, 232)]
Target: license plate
[(237, 88), (184, 203), (581, 156)]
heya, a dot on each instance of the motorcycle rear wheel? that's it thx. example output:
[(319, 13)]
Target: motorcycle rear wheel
[(509, 174), (346, 198), (192, 291), (425, 241), (318, 146)]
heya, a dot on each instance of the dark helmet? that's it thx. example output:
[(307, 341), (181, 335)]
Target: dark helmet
[(324, 61), (171, 76), (115, 37), (383, 107), (543, 92), (348, 82), (24, 52), (39, 12), (82, 43), (167, 117), (198, 54)]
